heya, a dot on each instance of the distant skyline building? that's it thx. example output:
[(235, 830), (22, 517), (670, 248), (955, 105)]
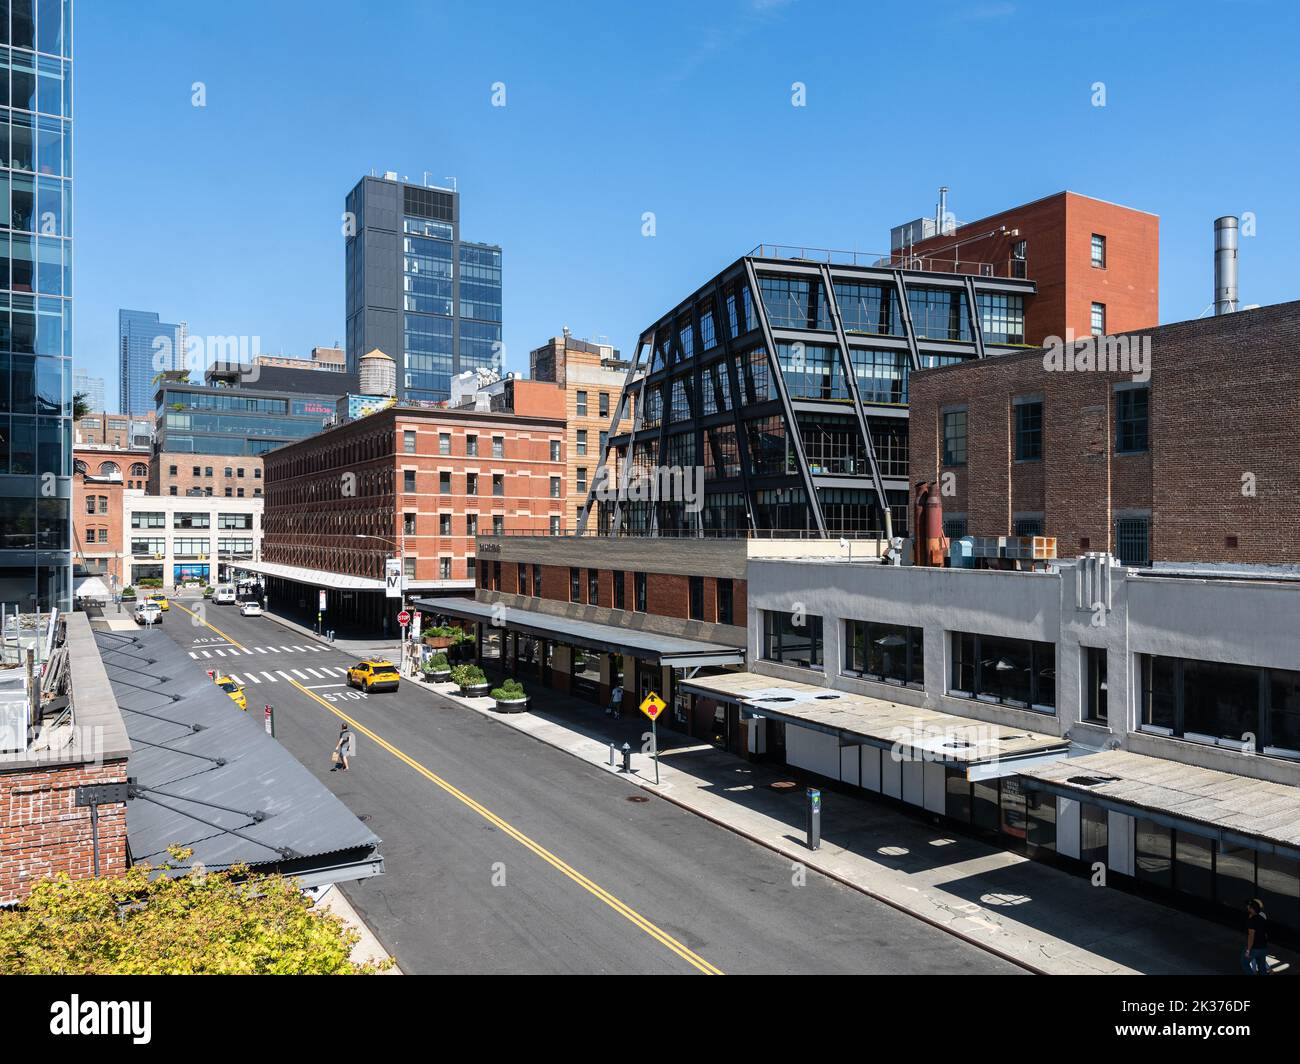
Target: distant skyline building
[(92, 388), (141, 336), (36, 288), (415, 290)]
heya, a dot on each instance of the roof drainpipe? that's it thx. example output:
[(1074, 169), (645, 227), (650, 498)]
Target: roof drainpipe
[(1225, 265)]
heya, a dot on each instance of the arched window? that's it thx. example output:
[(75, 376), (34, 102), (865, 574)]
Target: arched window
[(79, 468), (139, 469), (109, 469)]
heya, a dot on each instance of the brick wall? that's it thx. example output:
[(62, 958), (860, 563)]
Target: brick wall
[(1225, 393), (43, 832)]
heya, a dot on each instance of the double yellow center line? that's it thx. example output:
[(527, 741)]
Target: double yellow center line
[(626, 911)]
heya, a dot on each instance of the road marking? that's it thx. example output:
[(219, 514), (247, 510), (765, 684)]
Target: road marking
[(270, 677), (303, 649), (300, 674), (317, 673), (287, 650), (206, 654), (253, 676), (628, 913), (206, 624), (235, 676), (260, 650), (284, 676), (194, 654), (322, 686), (220, 653)]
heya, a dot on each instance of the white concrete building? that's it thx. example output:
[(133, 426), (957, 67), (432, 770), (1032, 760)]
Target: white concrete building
[(189, 539)]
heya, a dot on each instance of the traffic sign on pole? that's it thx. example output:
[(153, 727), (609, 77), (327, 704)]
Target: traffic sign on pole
[(652, 705), (404, 618)]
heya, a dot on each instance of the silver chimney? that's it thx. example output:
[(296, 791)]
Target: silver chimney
[(1225, 265), (942, 212)]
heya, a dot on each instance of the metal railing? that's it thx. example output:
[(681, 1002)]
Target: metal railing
[(894, 260)]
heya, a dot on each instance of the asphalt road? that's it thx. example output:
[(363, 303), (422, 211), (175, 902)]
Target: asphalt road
[(505, 855)]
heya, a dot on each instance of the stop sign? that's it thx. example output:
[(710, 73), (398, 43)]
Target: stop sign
[(404, 617)]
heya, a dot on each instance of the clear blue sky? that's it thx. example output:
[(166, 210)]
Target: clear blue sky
[(228, 216)]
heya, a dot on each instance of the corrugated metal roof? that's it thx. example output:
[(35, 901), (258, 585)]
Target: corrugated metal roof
[(194, 750)]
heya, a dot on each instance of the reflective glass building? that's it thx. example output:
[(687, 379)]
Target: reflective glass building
[(784, 378), (35, 302), (415, 290), (146, 345)]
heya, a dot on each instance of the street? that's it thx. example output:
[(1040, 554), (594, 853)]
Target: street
[(505, 855)]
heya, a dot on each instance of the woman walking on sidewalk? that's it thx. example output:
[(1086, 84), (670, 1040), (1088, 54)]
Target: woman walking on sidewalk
[(343, 749)]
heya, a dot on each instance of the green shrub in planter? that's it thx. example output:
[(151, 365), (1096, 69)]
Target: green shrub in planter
[(439, 663), (207, 591), (465, 676), (510, 691), (128, 592)]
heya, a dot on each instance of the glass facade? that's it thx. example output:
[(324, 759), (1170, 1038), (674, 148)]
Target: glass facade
[(35, 303), (146, 345)]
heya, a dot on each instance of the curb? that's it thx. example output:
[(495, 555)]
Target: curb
[(646, 785)]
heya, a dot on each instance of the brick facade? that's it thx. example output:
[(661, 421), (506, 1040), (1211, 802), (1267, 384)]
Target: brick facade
[(218, 475), (1218, 477), (101, 474)]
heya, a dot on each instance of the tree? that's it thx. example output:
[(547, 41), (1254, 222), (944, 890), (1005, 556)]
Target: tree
[(80, 408), (147, 923)]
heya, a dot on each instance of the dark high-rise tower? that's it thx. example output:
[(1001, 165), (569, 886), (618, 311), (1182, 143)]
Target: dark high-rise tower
[(415, 290), (36, 310)]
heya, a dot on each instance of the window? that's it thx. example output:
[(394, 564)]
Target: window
[(575, 584), (639, 592), (696, 604), (1011, 672), (498, 484), (954, 438), (471, 483), (229, 472), (1027, 525), (444, 443), (939, 313), (444, 482), (239, 473), (593, 587), (408, 441), (408, 479), (151, 519), (619, 589), (555, 450), (555, 525), (408, 568), (1133, 540), (891, 653), (471, 524), (792, 639), (229, 492), (603, 404), (1132, 420), (1098, 319), (1029, 431), (496, 576), (537, 581), (408, 524), (555, 487), (498, 525), (191, 520), (1094, 678), (471, 446), (1019, 255), (726, 598), (1099, 251), (580, 402), (1002, 317), (523, 579), (580, 481), (581, 444), (444, 524), (444, 568), (498, 446)]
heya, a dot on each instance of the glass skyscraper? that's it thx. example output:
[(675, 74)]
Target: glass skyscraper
[(35, 303), (145, 347), (415, 290)]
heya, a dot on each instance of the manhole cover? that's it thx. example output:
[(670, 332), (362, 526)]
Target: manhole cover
[(783, 785), (637, 798)]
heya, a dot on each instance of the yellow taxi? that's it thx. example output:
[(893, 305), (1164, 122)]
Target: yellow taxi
[(233, 689), (374, 676), (163, 604)]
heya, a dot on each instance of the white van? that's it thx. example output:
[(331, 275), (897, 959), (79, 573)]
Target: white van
[(223, 594)]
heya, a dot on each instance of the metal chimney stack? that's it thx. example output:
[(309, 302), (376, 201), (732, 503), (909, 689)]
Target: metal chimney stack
[(942, 211), (1225, 265)]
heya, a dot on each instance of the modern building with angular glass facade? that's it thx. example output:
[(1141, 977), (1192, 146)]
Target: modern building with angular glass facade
[(794, 403), (146, 346), (35, 303), (415, 290)]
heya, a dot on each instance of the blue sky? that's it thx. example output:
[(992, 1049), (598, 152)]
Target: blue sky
[(228, 216)]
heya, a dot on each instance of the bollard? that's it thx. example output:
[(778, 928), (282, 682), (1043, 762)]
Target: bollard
[(814, 818), (627, 758), (613, 755)]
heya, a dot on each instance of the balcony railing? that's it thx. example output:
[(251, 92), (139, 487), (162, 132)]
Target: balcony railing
[(894, 260)]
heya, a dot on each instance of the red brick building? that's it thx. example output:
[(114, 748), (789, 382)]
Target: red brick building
[(1197, 464), (410, 482), (1083, 254), (100, 474)]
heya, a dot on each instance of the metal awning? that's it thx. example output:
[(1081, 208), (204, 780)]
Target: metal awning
[(609, 638), (322, 578), (983, 750), (209, 778), (1234, 809)]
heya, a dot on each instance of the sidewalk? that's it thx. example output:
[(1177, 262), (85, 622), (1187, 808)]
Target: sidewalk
[(1045, 919)]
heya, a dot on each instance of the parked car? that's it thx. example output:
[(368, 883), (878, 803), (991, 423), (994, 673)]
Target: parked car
[(161, 599), (233, 689), (250, 609), (374, 676), (148, 612)]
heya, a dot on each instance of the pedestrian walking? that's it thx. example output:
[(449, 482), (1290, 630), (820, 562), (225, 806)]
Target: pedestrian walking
[(1255, 960), (343, 749), (616, 701)]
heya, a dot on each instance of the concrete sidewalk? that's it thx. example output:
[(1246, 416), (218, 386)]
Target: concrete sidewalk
[(1048, 920)]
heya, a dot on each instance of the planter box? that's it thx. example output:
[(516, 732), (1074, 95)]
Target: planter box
[(478, 690), (512, 705), (438, 642), (436, 677)]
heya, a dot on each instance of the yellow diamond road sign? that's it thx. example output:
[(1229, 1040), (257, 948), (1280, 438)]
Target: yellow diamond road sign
[(653, 705)]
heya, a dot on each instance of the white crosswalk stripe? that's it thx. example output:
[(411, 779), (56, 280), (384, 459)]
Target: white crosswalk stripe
[(235, 676), (253, 676), (260, 650), (299, 673), (194, 654), (287, 650), (206, 654), (281, 673), (318, 675), (303, 649), (270, 678), (220, 653)]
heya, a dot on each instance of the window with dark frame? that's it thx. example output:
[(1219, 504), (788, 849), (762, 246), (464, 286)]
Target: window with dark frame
[(726, 601), (792, 639), (1011, 672), (696, 604), (1098, 251), (593, 587), (1094, 694), (1029, 431), (890, 653), (537, 581), (1133, 540), (1132, 420), (523, 579), (639, 592), (575, 584), (619, 588), (954, 438)]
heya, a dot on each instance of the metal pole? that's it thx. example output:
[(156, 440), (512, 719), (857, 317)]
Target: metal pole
[(94, 835), (654, 738)]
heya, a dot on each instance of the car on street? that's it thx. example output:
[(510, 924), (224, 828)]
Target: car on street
[(163, 604), (147, 613), (250, 609), (233, 689), (374, 676), (224, 594)]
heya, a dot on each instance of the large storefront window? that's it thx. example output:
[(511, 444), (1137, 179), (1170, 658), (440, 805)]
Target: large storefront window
[(1012, 672), (1221, 702), (184, 574), (892, 653), (792, 639)]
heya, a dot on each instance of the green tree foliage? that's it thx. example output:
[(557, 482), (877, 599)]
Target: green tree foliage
[(150, 922)]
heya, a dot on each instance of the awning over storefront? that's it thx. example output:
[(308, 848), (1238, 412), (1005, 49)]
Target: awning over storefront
[(609, 638), (208, 777), (1202, 801), (984, 750), (345, 582)]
